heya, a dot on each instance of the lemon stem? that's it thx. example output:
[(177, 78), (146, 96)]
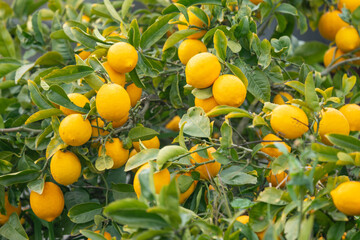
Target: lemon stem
[(50, 227)]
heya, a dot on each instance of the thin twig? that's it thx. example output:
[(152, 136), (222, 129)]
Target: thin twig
[(20, 129)]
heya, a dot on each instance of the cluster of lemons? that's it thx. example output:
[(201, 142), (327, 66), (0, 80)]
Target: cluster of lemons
[(333, 28)]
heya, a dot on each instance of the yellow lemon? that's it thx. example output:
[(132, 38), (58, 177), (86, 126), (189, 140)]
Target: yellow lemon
[(202, 70), (96, 129), (48, 205), (134, 93), (74, 130), (330, 23), (173, 124), (10, 209), (117, 152), (122, 57), (77, 99), (346, 198), (121, 122), (275, 180), (349, 4), (209, 170), (289, 121), (151, 143), (65, 167), (352, 114), (112, 102), (229, 90), (347, 39), (189, 48), (193, 21), (115, 77), (273, 152), (244, 219), (206, 104), (279, 98), (106, 235), (256, 2), (329, 56), (84, 54)]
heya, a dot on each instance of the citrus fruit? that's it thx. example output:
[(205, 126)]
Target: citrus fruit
[(185, 195), (229, 90), (10, 209), (189, 48), (352, 114), (84, 54), (275, 180), (112, 102), (173, 124), (329, 56), (349, 4), (106, 235), (330, 23), (121, 122), (115, 77), (256, 2), (74, 130), (65, 167), (161, 179), (85, 18), (134, 93), (151, 143), (346, 198), (332, 121), (206, 104), (48, 205), (244, 219), (347, 39), (193, 21), (273, 151), (202, 70), (96, 129), (77, 99), (289, 121), (117, 152), (282, 97), (122, 57), (209, 170)]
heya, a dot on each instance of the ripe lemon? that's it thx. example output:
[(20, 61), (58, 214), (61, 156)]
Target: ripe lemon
[(106, 235), (84, 54), (329, 56), (349, 4), (10, 209), (330, 23), (332, 121), (74, 130), (65, 167), (112, 102), (151, 143), (96, 129), (346, 198), (347, 39), (173, 124), (256, 2), (121, 122), (189, 48), (275, 180), (244, 219), (115, 77), (202, 70), (134, 93), (161, 179), (122, 57), (193, 21), (208, 170), (273, 152), (85, 18), (206, 104), (229, 90), (76, 98), (117, 152), (48, 205), (185, 195), (279, 98), (289, 121), (352, 114)]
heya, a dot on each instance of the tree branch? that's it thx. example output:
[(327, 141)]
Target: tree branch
[(19, 129)]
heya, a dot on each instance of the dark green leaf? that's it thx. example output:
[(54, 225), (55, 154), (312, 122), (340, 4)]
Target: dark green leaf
[(84, 212), (220, 44), (67, 74), (19, 177)]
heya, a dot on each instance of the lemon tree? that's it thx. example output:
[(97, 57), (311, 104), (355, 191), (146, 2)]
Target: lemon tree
[(159, 119)]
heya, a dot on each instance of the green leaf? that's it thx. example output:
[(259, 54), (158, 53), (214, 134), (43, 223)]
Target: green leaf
[(183, 10), (168, 153), (172, 8), (51, 58), (19, 177), (336, 231), (156, 31), (84, 212), (37, 97), (197, 123), (234, 176), (43, 114), (92, 235), (7, 48), (67, 74), (344, 141), (312, 52), (272, 196), (142, 133), (203, 93), (237, 71), (37, 27), (103, 161), (133, 213), (302, 23), (220, 44), (287, 8), (134, 34), (298, 86), (136, 80), (241, 203), (125, 7), (348, 83), (37, 185), (265, 56), (114, 14), (311, 97), (84, 38), (226, 135), (5, 166), (58, 96), (140, 158), (5, 11), (175, 95), (177, 37), (8, 65), (221, 110), (20, 72), (12, 229), (235, 47)]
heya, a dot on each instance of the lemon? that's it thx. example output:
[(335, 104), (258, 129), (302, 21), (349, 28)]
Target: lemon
[(273, 151), (122, 57), (206, 104), (151, 143), (189, 48), (115, 77), (347, 39), (346, 198), (229, 90), (173, 124), (10, 209), (65, 167), (279, 98), (209, 170), (193, 21), (74, 130), (352, 114), (117, 152), (76, 98), (134, 93), (330, 23)]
